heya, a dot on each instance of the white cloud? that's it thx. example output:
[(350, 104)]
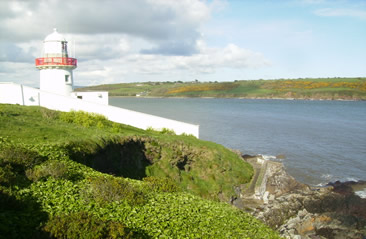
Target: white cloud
[(164, 22), (313, 1), (98, 46), (13, 53), (118, 40), (218, 5), (230, 56), (207, 61), (341, 12), (23, 73)]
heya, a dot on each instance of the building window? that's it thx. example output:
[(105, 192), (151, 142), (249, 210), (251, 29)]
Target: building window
[(67, 78), (80, 97)]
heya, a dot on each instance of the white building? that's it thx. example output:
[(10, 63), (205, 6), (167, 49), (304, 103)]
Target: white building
[(56, 92)]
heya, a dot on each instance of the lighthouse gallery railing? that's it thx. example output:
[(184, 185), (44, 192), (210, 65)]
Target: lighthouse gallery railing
[(52, 61)]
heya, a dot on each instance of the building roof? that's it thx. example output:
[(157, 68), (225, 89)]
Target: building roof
[(55, 36)]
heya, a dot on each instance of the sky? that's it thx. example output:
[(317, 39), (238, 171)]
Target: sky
[(121, 41)]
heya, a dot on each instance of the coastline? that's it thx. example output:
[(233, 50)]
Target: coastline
[(298, 210), (336, 88), (243, 98)]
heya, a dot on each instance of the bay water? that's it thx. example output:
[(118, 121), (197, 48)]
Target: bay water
[(319, 141)]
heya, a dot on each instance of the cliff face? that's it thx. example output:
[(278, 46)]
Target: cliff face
[(297, 210)]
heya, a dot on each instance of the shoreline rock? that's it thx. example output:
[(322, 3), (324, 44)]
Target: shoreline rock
[(298, 210)]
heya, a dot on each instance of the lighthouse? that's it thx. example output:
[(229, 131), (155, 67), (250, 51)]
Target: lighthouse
[(55, 65), (56, 92)]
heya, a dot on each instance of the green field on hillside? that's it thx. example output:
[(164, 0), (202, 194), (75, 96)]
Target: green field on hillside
[(322, 88), (78, 175)]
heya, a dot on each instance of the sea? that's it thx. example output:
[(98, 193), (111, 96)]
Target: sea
[(317, 141)]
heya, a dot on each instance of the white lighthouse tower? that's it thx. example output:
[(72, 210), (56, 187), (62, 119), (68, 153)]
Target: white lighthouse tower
[(56, 66)]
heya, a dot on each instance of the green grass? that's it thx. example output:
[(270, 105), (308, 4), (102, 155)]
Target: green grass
[(56, 179), (159, 153), (27, 125), (315, 88)]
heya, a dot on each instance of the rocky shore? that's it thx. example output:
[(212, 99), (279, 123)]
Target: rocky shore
[(299, 211)]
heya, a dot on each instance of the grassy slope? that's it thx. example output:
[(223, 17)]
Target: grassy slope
[(323, 88), (44, 161), (206, 168)]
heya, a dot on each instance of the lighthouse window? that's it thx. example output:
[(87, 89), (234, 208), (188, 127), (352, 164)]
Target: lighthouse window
[(64, 47), (67, 78)]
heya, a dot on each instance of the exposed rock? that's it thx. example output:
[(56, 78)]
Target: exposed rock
[(297, 210), (247, 156)]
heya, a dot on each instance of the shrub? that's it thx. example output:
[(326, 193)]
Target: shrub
[(161, 184), (86, 225), (20, 217), (52, 168), (19, 157), (84, 119), (163, 131), (167, 131), (106, 189), (7, 176), (14, 161), (50, 151), (116, 128)]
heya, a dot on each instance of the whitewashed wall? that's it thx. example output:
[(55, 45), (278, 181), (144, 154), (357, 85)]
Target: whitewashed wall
[(100, 97), (11, 93), (18, 94)]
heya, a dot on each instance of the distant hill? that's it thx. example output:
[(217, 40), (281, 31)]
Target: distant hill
[(307, 88)]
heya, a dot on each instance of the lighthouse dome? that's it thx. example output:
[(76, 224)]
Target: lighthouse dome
[(55, 36)]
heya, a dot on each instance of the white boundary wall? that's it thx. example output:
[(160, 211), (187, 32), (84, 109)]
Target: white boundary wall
[(11, 93), (100, 97)]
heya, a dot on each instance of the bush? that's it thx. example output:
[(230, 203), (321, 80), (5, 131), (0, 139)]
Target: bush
[(52, 168), (162, 131), (50, 151), (7, 176), (20, 217), (14, 161), (19, 157), (85, 225), (84, 119), (106, 189), (167, 131), (161, 184)]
